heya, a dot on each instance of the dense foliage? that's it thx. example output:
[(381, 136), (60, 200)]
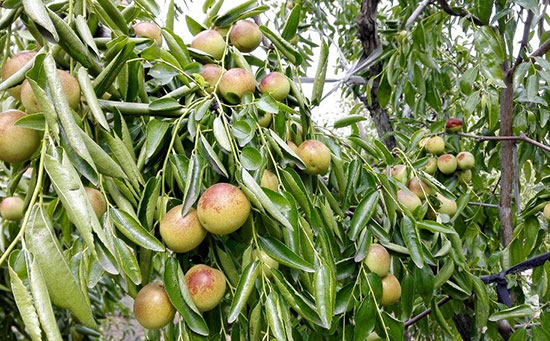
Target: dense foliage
[(116, 180)]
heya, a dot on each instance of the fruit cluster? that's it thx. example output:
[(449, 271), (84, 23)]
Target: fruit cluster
[(378, 260)]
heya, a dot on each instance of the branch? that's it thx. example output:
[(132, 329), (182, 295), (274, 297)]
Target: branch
[(525, 38), (460, 12), (425, 313), (542, 50), (417, 13), (522, 137), (482, 204)]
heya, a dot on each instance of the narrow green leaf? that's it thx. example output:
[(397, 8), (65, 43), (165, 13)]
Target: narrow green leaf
[(36, 10), (91, 98), (511, 313), (363, 214), (281, 253), (244, 289), (274, 318), (412, 240), (133, 230), (320, 76)]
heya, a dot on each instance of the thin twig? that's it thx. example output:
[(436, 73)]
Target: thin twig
[(425, 313), (460, 12), (417, 13), (525, 38), (482, 204), (522, 137), (542, 50)]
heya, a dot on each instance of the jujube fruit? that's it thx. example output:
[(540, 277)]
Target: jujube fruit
[(206, 286), (409, 200), (447, 164), (97, 200), (17, 144), (419, 187), (152, 307), (181, 233), (11, 208), (235, 83), (70, 86), (399, 173), (378, 260), (465, 176), (269, 180), (454, 124), (435, 145), (391, 290), (223, 208), (267, 263), (546, 211), (148, 30), (275, 84), (246, 36), (14, 64), (448, 206), (465, 160), (210, 42), (316, 156), (431, 166), (212, 74)]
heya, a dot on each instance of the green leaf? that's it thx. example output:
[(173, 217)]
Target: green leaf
[(36, 10), (363, 214), (348, 120), (133, 230), (194, 26), (292, 21), (482, 303), (215, 161), (412, 240), (244, 289), (366, 318), (282, 254), (128, 261), (154, 135), (32, 121), (114, 15), (325, 292), (221, 135), (192, 185), (444, 273), (434, 226), (63, 287), (268, 104), (283, 46), (511, 313), (176, 288), (320, 75), (274, 317), (91, 98)]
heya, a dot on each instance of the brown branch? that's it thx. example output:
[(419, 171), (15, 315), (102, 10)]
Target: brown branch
[(542, 50), (425, 313), (522, 137), (506, 116), (525, 38), (459, 12)]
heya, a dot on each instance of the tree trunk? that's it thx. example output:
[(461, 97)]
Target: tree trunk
[(368, 34), (506, 157)]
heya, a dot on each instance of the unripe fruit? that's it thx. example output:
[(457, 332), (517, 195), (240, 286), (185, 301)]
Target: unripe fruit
[(212, 74), (17, 144), (235, 83), (378, 260), (267, 263), (316, 157), (246, 36), (391, 290), (181, 233), (152, 307), (419, 187), (446, 164), (373, 337), (409, 200), (454, 124), (399, 173), (265, 120), (211, 42), (269, 180), (223, 208), (148, 30), (546, 211), (448, 206), (293, 146), (465, 176), (435, 145), (465, 160), (71, 89), (97, 200), (206, 286), (275, 84), (11, 208), (422, 143), (14, 64), (431, 166)]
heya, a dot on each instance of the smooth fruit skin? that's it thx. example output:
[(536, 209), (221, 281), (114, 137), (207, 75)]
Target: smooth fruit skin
[(409, 200), (448, 206), (391, 290), (447, 164), (431, 166), (546, 211), (237, 81), (465, 160), (13, 65), (269, 180), (181, 233), (97, 200), (70, 85), (419, 187), (211, 42), (246, 36), (212, 74), (223, 208), (206, 286), (267, 263), (265, 120), (454, 124), (435, 145), (378, 260), (465, 176), (316, 157), (399, 173), (152, 307), (17, 144), (11, 208), (275, 84), (148, 30)]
